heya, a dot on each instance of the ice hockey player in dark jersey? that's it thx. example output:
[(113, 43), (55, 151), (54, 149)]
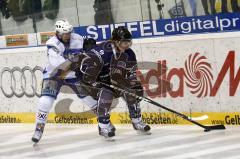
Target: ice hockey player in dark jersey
[(115, 65)]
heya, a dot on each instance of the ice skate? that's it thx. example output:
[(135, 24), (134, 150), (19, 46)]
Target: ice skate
[(38, 132), (107, 132), (142, 128)]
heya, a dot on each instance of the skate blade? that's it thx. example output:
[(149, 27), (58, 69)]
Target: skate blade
[(110, 139), (35, 144), (143, 132)]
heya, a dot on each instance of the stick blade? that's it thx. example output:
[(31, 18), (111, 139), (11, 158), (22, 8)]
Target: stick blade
[(214, 127)]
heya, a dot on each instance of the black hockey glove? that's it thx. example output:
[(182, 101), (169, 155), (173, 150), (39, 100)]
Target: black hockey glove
[(91, 66), (88, 44)]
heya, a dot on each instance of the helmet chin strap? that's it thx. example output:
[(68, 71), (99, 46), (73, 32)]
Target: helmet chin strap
[(116, 50)]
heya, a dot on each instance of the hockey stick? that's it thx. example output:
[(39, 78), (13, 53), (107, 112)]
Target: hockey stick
[(206, 128)]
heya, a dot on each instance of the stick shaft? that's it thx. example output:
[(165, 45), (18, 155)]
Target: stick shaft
[(168, 109)]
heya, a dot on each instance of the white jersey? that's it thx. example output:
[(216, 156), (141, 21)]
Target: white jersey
[(58, 54)]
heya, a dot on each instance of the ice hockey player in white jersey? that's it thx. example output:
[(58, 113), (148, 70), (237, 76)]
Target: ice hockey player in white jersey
[(60, 48)]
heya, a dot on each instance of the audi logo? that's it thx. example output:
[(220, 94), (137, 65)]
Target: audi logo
[(28, 87)]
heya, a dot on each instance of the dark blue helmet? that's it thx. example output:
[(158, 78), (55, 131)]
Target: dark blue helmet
[(121, 34)]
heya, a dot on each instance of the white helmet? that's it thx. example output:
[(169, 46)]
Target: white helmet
[(63, 26)]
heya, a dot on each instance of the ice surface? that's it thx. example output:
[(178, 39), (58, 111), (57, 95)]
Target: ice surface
[(83, 141)]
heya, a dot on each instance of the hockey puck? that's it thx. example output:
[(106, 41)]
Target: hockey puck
[(206, 130)]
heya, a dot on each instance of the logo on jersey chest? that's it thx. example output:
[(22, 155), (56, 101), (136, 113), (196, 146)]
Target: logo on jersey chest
[(121, 64), (116, 71)]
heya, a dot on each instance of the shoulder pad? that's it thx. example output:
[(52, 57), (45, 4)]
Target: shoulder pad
[(76, 37), (76, 41), (55, 44), (131, 55)]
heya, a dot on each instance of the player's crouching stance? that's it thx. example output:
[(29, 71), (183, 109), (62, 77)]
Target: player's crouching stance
[(118, 66), (61, 47)]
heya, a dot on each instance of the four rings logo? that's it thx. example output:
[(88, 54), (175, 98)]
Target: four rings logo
[(28, 87)]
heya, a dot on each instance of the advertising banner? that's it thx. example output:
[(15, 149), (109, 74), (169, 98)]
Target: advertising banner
[(16, 40), (44, 36), (165, 27), (197, 77)]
